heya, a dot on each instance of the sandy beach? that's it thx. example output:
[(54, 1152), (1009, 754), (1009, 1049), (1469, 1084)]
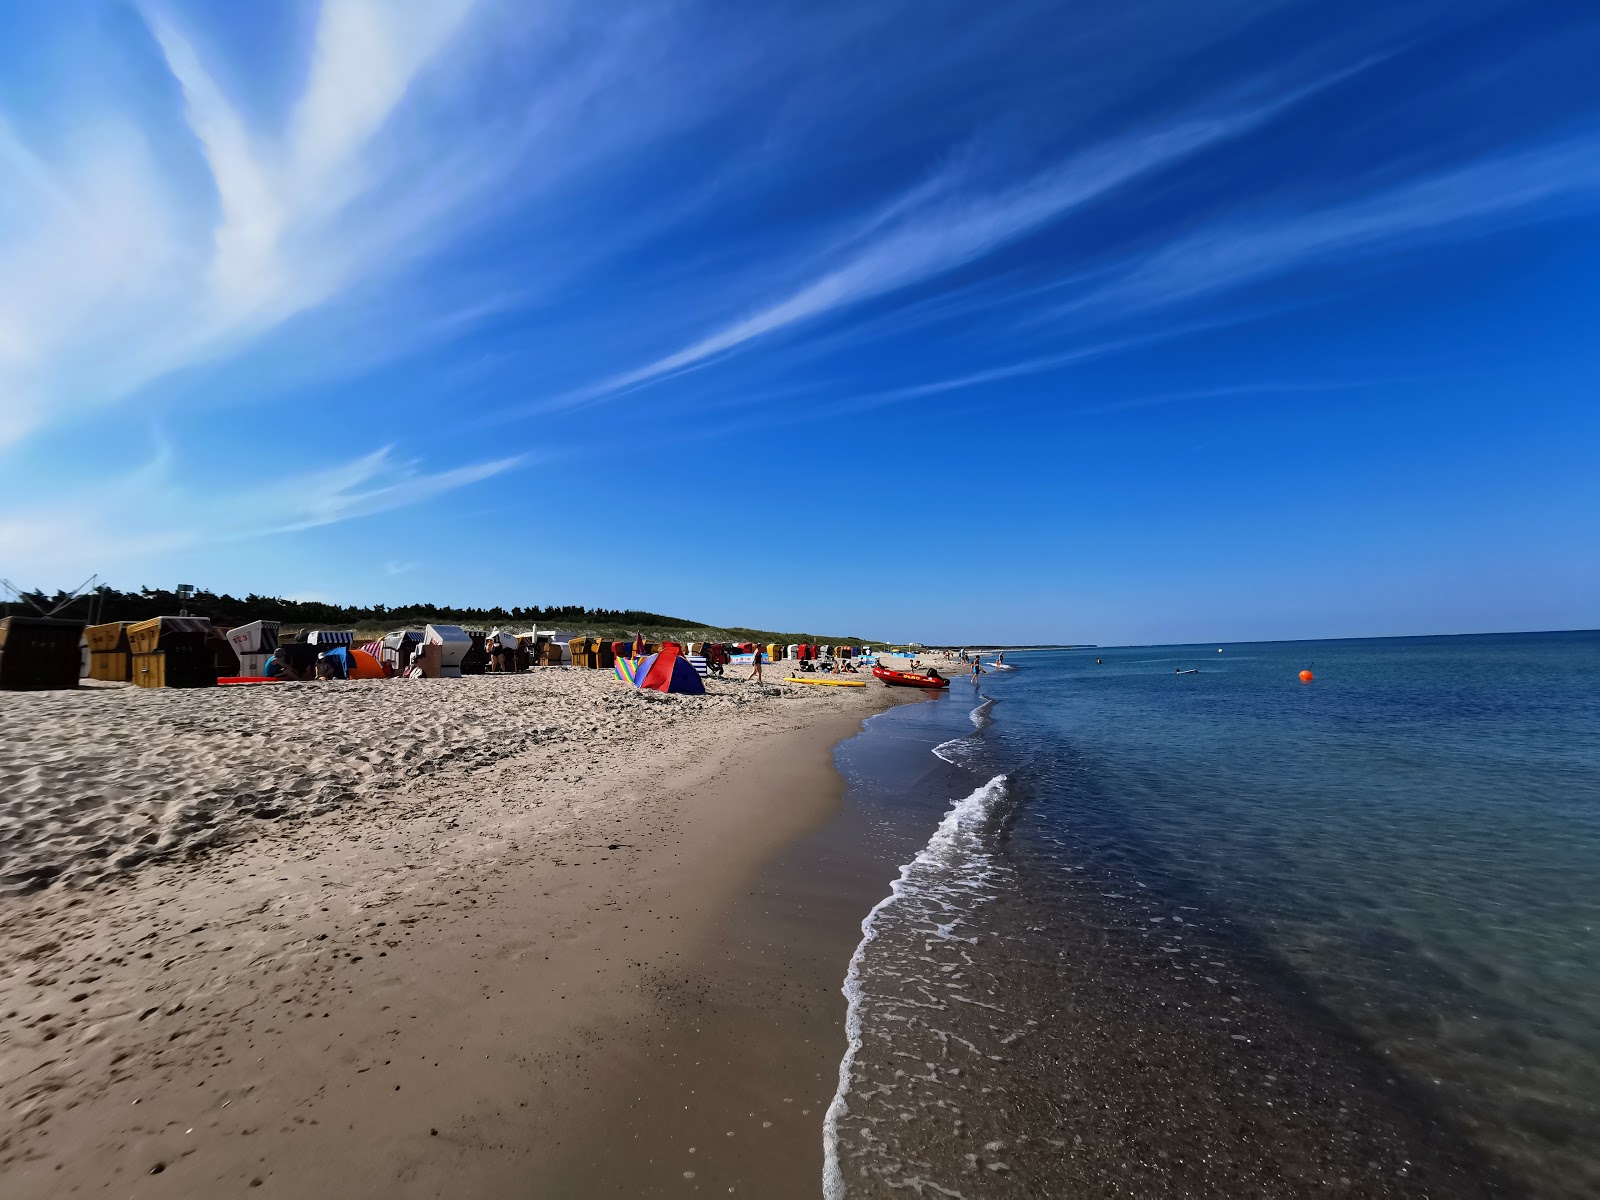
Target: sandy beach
[(407, 937)]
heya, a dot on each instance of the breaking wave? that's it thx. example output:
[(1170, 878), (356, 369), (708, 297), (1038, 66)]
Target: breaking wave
[(935, 893)]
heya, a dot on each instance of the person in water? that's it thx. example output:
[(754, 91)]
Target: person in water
[(977, 669)]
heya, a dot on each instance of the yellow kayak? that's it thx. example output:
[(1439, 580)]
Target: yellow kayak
[(828, 682)]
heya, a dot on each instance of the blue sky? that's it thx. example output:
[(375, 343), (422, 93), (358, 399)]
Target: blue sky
[(1098, 322)]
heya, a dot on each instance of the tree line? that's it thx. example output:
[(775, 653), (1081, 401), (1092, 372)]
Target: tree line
[(109, 604)]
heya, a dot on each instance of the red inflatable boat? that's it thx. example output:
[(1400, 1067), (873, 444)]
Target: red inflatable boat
[(909, 679)]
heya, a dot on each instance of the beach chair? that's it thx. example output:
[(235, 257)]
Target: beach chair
[(253, 643), (173, 652), (398, 648), (40, 653), (454, 644), (109, 658)]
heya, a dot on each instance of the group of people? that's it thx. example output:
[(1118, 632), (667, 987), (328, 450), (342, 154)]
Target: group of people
[(829, 666)]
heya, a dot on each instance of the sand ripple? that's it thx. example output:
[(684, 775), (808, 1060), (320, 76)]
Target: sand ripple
[(98, 781)]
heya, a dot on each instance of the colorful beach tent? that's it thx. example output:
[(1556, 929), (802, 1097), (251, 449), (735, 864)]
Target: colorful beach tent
[(669, 671), (342, 660), (365, 665)]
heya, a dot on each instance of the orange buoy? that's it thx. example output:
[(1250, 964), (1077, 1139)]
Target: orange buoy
[(1306, 676)]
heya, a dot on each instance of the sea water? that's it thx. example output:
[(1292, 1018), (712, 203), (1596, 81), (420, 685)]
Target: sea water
[(1225, 932)]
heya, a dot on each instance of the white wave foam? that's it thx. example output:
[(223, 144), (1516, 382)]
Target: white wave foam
[(959, 825), (980, 715), (958, 751)]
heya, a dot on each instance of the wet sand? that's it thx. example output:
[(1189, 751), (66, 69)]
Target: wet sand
[(723, 1087), (436, 990)]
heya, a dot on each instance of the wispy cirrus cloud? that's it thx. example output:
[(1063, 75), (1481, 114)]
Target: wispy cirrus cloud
[(943, 223), (1469, 200), (90, 530), (115, 271)]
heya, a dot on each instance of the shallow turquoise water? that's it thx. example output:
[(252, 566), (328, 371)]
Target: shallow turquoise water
[(1412, 840)]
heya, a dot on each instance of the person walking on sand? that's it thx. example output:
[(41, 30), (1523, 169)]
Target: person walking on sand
[(755, 667)]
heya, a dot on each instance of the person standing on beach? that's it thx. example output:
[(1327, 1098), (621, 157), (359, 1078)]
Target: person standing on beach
[(755, 667)]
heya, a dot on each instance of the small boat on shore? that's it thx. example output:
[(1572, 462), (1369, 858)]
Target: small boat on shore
[(999, 666), (909, 679)]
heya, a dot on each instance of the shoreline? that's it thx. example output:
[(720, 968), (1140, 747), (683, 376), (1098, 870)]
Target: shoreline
[(611, 962), (422, 990)]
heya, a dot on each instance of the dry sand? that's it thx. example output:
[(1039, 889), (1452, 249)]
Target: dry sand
[(395, 938)]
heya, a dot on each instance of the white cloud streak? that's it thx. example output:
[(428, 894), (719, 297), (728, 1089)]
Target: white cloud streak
[(1473, 199), (90, 530), (110, 274), (944, 228)]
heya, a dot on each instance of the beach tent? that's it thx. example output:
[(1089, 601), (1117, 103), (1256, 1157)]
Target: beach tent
[(669, 671), (627, 670), (365, 665), (341, 658)]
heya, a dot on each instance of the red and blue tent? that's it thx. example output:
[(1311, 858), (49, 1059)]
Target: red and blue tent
[(669, 671)]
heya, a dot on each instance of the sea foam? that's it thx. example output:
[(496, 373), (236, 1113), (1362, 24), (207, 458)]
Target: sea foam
[(957, 751), (958, 836)]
